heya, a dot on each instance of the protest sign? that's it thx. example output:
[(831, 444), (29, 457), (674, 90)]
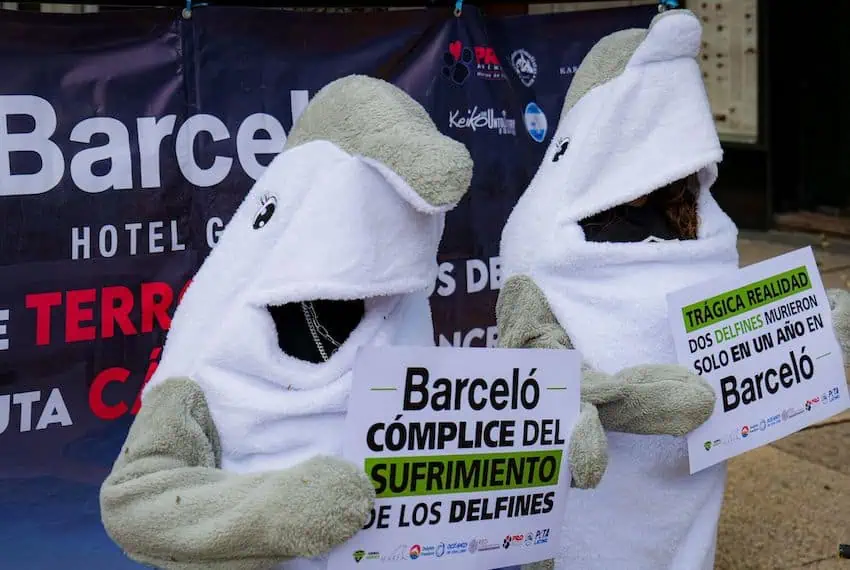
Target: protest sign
[(467, 452), (763, 338)]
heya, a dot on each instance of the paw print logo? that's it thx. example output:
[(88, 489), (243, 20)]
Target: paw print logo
[(457, 63), (507, 542)]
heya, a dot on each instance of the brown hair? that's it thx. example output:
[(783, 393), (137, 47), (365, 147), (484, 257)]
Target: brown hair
[(678, 201)]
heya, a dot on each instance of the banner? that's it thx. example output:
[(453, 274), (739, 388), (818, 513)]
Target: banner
[(128, 140)]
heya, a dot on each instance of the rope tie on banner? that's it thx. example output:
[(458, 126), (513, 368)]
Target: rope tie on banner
[(458, 8), (187, 11), (664, 5)]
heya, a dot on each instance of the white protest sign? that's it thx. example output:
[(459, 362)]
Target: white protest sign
[(762, 337), (467, 449)]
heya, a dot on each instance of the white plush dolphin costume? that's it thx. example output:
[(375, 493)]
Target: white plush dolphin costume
[(231, 462), (635, 119)]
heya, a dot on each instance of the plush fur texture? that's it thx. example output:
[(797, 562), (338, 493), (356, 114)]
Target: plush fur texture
[(526, 321), (230, 463), (636, 119), (657, 399), (168, 503), (376, 119), (839, 301)]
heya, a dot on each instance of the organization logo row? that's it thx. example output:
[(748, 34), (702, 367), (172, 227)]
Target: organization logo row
[(764, 424), (461, 62), (474, 546)]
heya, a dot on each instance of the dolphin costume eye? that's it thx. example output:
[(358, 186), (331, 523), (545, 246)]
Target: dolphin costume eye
[(265, 213), (563, 145)]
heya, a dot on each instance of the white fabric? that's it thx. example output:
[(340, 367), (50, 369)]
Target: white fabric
[(342, 229), (646, 128)]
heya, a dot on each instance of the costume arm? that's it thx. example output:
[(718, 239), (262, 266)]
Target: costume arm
[(167, 502), (656, 399), (526, 321)]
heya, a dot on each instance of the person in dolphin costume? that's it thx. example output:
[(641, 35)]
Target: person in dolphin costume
[(618, 215), (233, 460)]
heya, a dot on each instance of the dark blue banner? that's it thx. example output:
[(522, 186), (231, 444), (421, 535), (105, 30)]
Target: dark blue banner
[(127, 140)]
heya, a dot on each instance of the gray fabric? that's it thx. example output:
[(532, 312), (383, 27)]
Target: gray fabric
[(606, 60), (647, 400), (839, 301), (391, 128), (544, 565), (525, 320), (168, 504)]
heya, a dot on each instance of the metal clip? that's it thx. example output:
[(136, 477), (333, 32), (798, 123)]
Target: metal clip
[(458, 8), (664, 5), (187, 11)]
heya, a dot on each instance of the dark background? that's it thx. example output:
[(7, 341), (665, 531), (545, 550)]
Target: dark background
[(230, 63)]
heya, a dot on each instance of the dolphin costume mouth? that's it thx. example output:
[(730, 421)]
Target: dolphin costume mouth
[(313, 330), (665, 214)]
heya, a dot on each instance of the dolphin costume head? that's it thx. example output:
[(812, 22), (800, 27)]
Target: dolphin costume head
[(636, 129), (343, 223)]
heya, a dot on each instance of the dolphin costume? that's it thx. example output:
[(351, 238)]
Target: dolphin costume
[(636, 119), (232, 461)]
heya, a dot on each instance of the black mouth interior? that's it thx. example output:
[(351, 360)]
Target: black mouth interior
[(669, 213), (337, 319)]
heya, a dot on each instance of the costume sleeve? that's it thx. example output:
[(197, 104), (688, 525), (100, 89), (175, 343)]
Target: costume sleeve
[(168, 504), (525, 319)]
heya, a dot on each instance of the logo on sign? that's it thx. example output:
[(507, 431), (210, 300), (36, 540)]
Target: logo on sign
[(400, 553), (535, 122), (745, 431), (525, 66), (459, 61), (358, 555), (541, 536), (441, 549), (476, 119), (415, 551)]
